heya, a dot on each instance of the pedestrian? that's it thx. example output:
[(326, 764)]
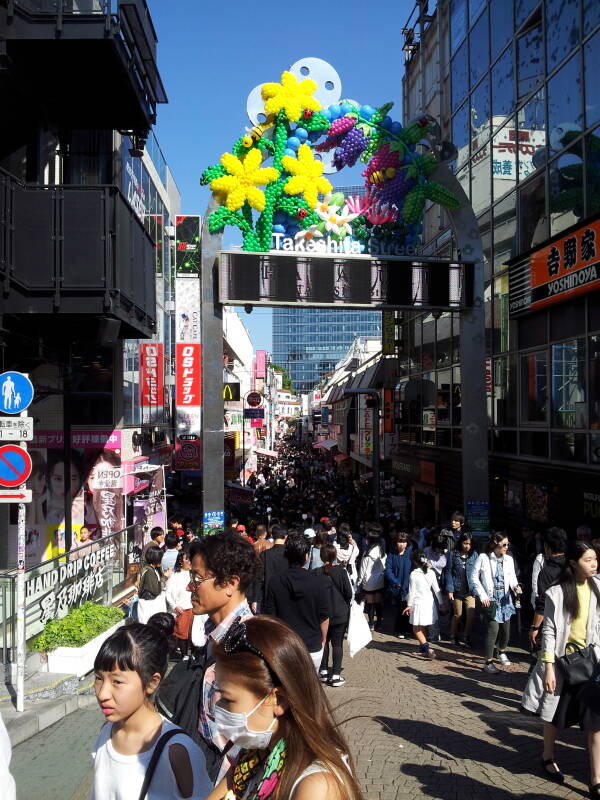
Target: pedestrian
[(157, 539), (273, 559), (301, 598), (495, 583), (347, 551), (398, 567), (128, 670), (179, 603), (459, 586), (423, 599), (437, 557), (451, 534), (261, 543), (223, 567), (340, 597), (555, 544), (372, 575), (314, 555), (273, 706), (571, 622), (171, 552), (151, 587)]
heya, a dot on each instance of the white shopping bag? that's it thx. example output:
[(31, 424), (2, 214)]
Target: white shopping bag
[(359, 634)]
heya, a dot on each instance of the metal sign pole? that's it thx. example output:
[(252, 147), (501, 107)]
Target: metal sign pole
[(21, 609)]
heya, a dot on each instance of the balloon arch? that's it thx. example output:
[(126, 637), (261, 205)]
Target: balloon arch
[(290, 202)]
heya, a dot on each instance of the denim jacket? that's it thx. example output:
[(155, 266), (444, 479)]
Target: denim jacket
[(454, 569)]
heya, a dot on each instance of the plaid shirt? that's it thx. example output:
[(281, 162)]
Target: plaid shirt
[(210, 694)]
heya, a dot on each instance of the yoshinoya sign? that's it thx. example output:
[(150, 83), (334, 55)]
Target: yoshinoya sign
[(567, 267)]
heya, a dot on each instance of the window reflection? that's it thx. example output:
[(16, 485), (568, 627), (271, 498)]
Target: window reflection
[(592, 145), (501, 315), (501, 24), (565, 116), (562, 30), (460, 134), (480, 114), (480, 180), (566, 189), (479, 49), (531, 121), (460, 85), (504, 160), (568, 385), (533, 222), (591, 15), (523, 10), (503, 88), (505, 390), (591, 56), (530, 61), (569, 447), (458, 22), (594, 367), (505, 228), (534, 388)]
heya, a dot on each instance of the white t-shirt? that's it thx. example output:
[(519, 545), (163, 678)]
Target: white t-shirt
[(120, 777)]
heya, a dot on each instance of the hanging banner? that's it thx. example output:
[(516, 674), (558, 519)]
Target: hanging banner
[(151, 374), (388, 331), (261, 363), (187, 309), (388, 410), (188, 372)]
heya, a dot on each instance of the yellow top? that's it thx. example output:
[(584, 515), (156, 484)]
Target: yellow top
[(578, 630)]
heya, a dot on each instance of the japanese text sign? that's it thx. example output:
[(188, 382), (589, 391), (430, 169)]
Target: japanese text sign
[(188, 369), (151, 374)]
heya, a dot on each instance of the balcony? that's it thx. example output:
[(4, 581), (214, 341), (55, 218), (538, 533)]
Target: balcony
[(88, 63), (75, 250)]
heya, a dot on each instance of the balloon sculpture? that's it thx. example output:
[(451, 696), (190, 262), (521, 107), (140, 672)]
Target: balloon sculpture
[(293, 198)]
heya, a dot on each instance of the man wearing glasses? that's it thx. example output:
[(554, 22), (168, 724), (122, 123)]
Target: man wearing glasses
[(223, 567)]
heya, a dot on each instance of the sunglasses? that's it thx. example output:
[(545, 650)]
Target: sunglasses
[(196, 580)]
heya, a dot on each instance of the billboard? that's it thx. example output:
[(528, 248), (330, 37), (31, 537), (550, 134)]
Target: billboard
[(187, 309), (151, 374), (261, 363), (187, 245), (343, 280)]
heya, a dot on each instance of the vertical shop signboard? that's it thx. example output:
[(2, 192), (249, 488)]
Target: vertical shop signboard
[(261, 363), (388, 335), (188, 368), (152, 381)]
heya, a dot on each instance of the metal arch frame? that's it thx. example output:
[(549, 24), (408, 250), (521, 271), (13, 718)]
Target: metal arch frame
[(475, 477)]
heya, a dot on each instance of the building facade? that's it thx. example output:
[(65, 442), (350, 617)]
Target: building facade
[(513, 87)]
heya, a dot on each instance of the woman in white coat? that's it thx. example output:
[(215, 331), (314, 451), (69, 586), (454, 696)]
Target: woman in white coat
[(424, 598), (571, 621), (372, 575), (179, 602), (495, 583)]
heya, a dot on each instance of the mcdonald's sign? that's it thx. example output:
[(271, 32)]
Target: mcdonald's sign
[(231, 391)]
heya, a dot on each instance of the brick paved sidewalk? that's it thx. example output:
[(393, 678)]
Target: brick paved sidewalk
[(445, 729)]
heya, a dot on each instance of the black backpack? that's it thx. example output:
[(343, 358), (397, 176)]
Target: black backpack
[(179, 698)]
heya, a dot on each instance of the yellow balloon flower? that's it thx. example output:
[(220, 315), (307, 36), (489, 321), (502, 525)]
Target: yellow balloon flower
[(245, 174), (307, 175), (291, 95)]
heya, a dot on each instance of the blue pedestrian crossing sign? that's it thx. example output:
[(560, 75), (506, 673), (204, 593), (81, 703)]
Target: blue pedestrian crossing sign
[(16, 392)]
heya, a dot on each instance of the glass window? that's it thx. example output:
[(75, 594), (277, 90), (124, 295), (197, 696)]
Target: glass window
[(533, 330), (591, 56), (503, 87), (505, 442), (523, 10), (591, 15), (501, 24), (534, 388), (463, 179), (475, 7), (562, 30), (480, 114), (444, 340), (569, 447), (568, 385), (460, 79), (485, 229), (505, 228), (460, 134), (502, 321), (480, 180), (530, 61), (566, 190), (564, 104), (505, 390), (479, 49), (456, 397), (595, 448), (443, 396), (533, 221), (504, 161), (567, 320), (534, 443), (458, 22), (531, 121), (594, 366), (428, 353)]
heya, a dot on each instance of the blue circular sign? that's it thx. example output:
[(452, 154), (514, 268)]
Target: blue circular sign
[(16, 392)]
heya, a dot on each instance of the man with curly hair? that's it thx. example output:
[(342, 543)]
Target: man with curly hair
[(224, 566)]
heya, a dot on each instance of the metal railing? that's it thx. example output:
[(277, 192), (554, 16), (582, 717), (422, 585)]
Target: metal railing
[(66, 581)]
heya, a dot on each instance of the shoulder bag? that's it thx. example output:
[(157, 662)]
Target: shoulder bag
[(579, 665), (151, 769)]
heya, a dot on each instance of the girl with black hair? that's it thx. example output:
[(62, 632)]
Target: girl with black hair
[(461, 561), (129, 668), (151, 589), (424, 597), (571, 623), (179, 602), (372, 575)]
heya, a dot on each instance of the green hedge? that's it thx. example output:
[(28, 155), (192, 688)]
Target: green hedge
[(80, 626)]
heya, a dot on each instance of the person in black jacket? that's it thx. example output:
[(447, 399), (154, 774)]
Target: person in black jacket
[(300, 597), (340, 597), (555, 543), (273, 561)]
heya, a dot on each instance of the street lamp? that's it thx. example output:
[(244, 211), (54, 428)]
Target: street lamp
[(376, 405)]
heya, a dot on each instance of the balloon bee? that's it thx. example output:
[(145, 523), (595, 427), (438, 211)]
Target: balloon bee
[(256, 133), (381, 175)]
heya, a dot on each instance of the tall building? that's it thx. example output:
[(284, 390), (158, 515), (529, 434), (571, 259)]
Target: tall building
[(308, 342), (513, 85)]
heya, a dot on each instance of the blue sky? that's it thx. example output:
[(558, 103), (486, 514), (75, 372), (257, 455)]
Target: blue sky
[(211, 54)]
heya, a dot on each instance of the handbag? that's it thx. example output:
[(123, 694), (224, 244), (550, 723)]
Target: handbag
[(143, 593), (359, 634), (578, 666)]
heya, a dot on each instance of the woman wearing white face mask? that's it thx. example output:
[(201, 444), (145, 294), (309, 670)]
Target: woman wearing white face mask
[(273, 706)]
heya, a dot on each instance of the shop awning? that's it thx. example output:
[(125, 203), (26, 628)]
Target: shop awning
[(327, 444), (260, 451)]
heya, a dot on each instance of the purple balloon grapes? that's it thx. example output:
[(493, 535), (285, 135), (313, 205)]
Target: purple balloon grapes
[(350, 149)]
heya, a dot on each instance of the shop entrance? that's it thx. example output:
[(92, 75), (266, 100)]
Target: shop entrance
[(425, 503)]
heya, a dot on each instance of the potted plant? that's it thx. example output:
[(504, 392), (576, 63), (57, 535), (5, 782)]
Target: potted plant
[(73, 641)]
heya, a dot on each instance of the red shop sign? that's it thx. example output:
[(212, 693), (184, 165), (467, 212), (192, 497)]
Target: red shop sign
[(188, 372), (151, 374)]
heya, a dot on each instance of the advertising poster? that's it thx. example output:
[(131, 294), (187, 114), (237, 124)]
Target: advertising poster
[(261, 363), (96, 483), (187, 245), (187, 309), (536, 502)]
